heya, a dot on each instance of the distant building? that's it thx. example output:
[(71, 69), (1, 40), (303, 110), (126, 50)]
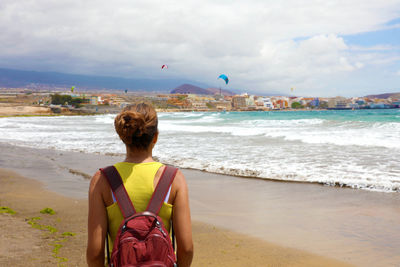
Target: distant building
[(341, 104), (94, 100), (303, 102), (199, 105), (239, 101), (250, 102), (116, 100), (281, 103), (314, 102), (265, 102), (354, 106), (377, 105), (223, 105), (360, 102), (338, 102)]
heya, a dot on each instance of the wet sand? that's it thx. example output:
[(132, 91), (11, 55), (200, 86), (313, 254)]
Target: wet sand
[(353, 226)]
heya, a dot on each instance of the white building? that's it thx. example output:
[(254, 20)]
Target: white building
[(250, 102), (266, 102)]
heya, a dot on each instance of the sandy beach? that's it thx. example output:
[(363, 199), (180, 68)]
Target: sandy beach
[(237, 222), (20, 110), (61, 238)]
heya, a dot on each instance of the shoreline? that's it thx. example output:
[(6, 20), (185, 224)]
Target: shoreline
[(60, 239), (87, 175), (35, 110), (274, 180), (355, 226)]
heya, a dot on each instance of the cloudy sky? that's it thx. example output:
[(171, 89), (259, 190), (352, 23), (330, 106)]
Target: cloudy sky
[(317, 47)]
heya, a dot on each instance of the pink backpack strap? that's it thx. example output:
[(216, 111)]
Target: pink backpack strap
[(157, 199), (117, 187)]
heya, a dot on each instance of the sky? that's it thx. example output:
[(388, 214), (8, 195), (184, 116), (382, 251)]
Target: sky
[(317, 47)]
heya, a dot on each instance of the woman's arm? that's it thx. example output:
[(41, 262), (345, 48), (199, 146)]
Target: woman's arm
[(181, 221), (97, 222)]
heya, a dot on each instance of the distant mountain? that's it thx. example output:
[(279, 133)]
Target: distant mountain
[(384, 96), (20, 78), (189, 89), (223, 91), (35, 79), (192, 89)]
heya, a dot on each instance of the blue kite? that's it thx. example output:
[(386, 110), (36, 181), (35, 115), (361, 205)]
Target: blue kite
[(224, 77)]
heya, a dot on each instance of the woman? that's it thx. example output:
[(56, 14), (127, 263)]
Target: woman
[(136, 125)]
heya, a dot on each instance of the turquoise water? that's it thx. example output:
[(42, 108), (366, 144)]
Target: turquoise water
[(364, 115)]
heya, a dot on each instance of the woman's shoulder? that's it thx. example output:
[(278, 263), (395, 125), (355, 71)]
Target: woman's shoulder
[(98, 182)]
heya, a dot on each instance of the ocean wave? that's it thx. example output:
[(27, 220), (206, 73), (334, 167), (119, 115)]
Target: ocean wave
[(377, 135), (234, 131), (105, 119), (282, 123), (315, 131), (357, 154), (208, 118), (182, 115), (364, 181)]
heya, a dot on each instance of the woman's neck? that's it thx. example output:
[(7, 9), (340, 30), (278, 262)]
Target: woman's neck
[(138, 156)]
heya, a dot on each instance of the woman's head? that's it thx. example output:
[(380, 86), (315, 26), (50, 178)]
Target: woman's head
[(136, 125)]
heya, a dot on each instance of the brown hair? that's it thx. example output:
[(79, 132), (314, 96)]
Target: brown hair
[(136, 125)]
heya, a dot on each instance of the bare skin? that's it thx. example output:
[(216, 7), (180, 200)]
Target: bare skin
[(100, 197)]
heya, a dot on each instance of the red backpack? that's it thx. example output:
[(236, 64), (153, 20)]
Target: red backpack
[(142, 239)]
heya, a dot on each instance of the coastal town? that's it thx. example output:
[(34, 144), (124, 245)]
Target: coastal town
[(66, 100)]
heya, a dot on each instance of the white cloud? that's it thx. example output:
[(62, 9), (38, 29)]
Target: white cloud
[(255, 42)]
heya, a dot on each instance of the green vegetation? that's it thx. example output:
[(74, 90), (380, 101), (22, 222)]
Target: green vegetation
[(181, 98), (56, 250), (33, 223), (297, 105), (57, 99), (68, 234), (58, 239), (51, 229), (7, 210), (210, 106), (48, 211)]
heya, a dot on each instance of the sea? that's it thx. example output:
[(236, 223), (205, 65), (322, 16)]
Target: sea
[(348, 148)]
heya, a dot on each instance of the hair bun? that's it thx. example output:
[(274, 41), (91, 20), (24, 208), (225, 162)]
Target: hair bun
[(136, 125), (134, 121), (130, 124)]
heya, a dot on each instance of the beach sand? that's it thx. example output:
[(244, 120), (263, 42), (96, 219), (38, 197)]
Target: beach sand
[(237, 221), (23, 244), (15, 110)]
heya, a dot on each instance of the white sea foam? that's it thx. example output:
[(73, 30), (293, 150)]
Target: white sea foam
[(106, 119), (281, 123)]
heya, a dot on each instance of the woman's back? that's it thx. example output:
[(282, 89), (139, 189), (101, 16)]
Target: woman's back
[(138, 179)]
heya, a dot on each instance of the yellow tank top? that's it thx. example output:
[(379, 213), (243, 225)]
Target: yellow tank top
[(138, 179)]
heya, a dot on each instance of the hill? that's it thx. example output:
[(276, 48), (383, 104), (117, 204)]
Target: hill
[(192, 89), (223, 91), (20, 78), (384, 96)]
